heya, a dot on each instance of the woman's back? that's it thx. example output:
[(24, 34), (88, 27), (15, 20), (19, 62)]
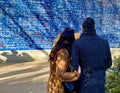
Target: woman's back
[(59, 59), (54, 82)]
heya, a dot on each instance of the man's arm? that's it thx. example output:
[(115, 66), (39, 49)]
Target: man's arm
[(75, 55), (108, 61)]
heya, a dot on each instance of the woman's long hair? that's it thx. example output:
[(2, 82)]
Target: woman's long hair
[(65, 41)]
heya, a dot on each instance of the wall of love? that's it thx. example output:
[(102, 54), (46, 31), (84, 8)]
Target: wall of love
[(34, 24)]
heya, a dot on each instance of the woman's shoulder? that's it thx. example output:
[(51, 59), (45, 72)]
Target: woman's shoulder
[(63, 56), (63, 52)]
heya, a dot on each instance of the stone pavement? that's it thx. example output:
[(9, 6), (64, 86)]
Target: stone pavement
[(24, 71), (30, 77)]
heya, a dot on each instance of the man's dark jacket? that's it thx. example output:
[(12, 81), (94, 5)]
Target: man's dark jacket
[(92, 53)]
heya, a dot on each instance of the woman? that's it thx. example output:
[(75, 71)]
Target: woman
[(59, 60)]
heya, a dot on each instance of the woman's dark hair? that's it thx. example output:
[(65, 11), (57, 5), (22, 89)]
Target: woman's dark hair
[(65, 41)]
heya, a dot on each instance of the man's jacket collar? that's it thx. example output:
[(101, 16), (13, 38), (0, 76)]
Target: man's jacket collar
[(88, 33)]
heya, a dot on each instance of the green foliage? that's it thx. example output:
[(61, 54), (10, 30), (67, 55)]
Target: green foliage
[(113, 78)]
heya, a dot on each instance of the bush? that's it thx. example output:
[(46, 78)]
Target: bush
[(113, 77)]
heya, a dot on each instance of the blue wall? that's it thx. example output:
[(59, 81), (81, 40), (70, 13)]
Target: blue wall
[(33, 24)]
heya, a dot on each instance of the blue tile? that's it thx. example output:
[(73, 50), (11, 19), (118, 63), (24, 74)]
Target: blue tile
[(33, 24)]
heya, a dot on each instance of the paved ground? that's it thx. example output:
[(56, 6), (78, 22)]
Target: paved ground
[(27, 71), (27, 77)]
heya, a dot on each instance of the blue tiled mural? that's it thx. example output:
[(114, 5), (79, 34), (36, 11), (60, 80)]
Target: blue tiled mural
[(34, 24)]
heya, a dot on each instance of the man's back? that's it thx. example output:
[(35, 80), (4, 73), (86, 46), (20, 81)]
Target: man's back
[(94, 52), (93, 55)]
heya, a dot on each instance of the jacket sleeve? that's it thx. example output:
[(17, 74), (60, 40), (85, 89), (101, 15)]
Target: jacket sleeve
[(75, 55), (108, 61), (62, 62)]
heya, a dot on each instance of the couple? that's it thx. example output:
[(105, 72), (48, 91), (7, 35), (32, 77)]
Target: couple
[(90, 52)]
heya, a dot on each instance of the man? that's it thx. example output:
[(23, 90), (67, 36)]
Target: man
[(92, 53)]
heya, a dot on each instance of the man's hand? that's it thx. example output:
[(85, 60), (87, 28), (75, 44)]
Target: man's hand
[(79, 69)]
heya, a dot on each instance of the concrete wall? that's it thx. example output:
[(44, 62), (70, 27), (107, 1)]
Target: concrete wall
[(115, 52), (16, 56)]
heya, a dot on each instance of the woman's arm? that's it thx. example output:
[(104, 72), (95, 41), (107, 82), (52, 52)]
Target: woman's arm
[(62, 61)]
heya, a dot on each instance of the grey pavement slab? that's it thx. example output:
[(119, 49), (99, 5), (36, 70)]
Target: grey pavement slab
[(28, 77)]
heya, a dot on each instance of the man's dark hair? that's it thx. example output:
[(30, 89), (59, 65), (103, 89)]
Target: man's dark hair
[(88, 24)]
